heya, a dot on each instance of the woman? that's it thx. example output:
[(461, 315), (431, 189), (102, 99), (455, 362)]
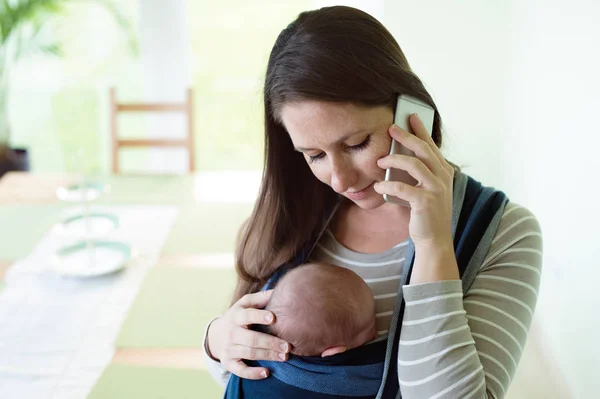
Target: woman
[(332, 81)]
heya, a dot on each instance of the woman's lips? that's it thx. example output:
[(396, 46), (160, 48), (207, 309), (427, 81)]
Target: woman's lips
[(357, 195)]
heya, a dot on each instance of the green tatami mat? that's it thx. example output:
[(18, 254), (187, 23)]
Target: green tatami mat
[(206, 227), (173, 307), (134, 382), (22, 226)]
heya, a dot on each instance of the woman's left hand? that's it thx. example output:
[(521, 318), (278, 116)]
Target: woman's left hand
[(431, 199)]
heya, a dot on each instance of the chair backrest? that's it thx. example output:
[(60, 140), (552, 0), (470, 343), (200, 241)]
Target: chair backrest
[(117, 143)]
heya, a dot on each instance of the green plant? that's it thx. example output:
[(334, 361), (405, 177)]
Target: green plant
[(23, 25)]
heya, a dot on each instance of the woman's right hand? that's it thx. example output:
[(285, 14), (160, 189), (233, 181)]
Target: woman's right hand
[(230, 339)]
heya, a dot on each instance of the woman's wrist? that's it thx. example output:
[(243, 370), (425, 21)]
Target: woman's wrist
[(210, 339), (436, 263)]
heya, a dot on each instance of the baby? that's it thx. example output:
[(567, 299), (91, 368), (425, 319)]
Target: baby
[(322, 310)]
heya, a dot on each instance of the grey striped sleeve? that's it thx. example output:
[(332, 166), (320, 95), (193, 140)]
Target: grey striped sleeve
[(455, 347)]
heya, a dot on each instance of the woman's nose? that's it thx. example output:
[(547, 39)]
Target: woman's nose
[(342, 175)]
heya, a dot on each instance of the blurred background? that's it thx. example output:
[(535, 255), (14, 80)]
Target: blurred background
[(157, 106)]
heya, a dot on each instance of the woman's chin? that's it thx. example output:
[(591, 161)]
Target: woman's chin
[(371, 202)]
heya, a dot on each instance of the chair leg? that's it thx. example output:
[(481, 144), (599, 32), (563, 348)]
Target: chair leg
[(113, 132)]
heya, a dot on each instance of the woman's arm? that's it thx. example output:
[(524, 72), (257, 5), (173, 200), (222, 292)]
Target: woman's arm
[(227, 340), (215, 368), (452, 347)]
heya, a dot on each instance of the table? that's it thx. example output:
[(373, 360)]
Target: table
[(23, 194)]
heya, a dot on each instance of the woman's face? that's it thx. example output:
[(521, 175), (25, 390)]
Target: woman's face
[(342, 143)]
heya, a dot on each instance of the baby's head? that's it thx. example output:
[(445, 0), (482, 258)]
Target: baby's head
[(322, 309)]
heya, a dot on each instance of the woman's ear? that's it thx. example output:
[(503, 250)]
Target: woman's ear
[(333, 351)]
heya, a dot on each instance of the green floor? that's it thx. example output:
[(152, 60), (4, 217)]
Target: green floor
[(133, 382), (173, 307), (202, 228), (171, 310)]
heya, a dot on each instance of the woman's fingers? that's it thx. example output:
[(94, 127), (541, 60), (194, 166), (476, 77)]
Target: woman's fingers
[(246, 352), (255, 339), (419, 128), (398, 189), (414, 166), (256, 300), (240, 369), (245, 317), (421, 131), (239, 342), (421, 148), (247, 312)]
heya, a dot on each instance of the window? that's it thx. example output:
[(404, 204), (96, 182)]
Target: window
[(59, 107)]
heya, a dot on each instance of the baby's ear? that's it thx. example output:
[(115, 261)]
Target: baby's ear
[(333, 351)]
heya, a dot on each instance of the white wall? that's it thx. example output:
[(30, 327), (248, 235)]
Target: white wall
[(460, 50), (552, 161), (518, 83)]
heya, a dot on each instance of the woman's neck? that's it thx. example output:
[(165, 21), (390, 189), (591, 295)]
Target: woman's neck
[(387, 217), (372, 230)]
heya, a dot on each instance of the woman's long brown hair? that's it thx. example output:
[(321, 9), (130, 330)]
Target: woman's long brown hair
[(338, 54)]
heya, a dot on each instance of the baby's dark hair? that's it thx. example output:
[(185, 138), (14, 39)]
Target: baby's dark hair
[(318, 306)]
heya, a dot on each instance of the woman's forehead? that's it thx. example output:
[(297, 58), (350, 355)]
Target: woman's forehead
[(309, 121)]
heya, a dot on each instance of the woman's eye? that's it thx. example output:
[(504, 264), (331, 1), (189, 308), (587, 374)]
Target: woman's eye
[(363, 144), (316, 157)]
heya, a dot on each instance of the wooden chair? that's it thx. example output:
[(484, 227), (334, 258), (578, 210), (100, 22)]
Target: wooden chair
[(117, 143)]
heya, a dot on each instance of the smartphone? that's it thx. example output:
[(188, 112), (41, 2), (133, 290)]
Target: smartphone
[(405, 106)]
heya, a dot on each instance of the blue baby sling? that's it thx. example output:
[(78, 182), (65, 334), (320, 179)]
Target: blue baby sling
[(370, 371)]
